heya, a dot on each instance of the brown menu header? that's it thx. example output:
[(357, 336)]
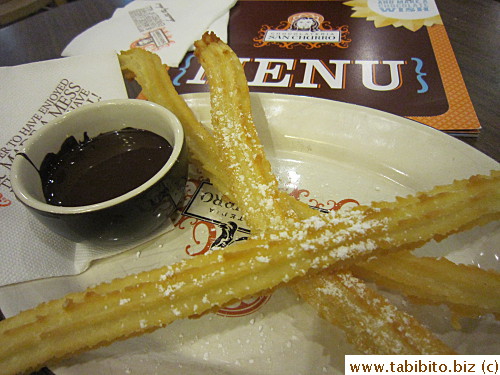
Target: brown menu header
[(326, 50)]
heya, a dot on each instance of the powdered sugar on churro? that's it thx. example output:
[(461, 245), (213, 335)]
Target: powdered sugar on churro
[(262, 259), (169, 290), (380, 323), (336, 236), (247, 169)]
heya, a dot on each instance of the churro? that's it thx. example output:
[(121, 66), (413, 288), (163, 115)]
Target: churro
[(256, 189), (375, 325), (435, 281), (246, 167), (233, 124), (146, 68), (142, 303), (229, 90)]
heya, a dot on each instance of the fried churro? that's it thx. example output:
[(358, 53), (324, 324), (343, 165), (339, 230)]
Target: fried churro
[(254, 186), (142, 303), (229, 90), (435, 281), (256, 189), (232, 119), (374, 325), (146, 68)]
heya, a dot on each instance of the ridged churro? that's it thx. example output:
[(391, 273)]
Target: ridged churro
[(435, 281), (256, 189), (146, 68), (233, 124), (231, 112), (275, 255), (375, 325), (142, 303), (242, 154)]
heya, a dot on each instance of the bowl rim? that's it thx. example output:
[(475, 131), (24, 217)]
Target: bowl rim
[(31, 201)]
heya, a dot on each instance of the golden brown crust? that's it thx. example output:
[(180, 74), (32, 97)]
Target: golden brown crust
[(467, 290), (245, 159), (141, 303), (146, 68), (253, 185), (375, 326)]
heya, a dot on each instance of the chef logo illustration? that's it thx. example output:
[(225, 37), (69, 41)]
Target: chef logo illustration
[(305, 29), (306, 22)]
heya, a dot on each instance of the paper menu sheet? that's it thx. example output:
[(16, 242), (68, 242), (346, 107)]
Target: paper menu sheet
[(31, 96), (167, 28)]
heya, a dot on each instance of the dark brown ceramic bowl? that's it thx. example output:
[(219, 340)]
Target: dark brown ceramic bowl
[(130, 217)]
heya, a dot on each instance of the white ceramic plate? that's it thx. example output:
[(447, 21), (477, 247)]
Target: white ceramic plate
[(329, 151)]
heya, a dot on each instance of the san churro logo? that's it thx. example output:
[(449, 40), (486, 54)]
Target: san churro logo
[(217, 220), (306, 29), (217, 223)]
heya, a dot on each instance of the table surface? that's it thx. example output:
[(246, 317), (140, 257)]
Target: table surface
[(471, 25)]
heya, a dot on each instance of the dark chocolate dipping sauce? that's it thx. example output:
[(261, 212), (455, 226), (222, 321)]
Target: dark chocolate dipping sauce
[(102, 168)]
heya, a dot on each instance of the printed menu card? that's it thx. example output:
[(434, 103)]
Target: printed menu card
[(391, 55)]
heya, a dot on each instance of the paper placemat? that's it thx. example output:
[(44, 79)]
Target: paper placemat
[(39, 92)]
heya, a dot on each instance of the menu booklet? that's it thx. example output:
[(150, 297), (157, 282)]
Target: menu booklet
[(391, 55)]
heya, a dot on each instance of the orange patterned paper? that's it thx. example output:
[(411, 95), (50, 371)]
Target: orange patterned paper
[(461, 114)]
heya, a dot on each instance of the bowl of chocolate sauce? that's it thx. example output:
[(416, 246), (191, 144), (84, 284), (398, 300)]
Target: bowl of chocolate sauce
[(108, 173)]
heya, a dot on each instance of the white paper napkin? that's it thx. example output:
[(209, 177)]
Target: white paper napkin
[(167, 27), (31, 96)]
